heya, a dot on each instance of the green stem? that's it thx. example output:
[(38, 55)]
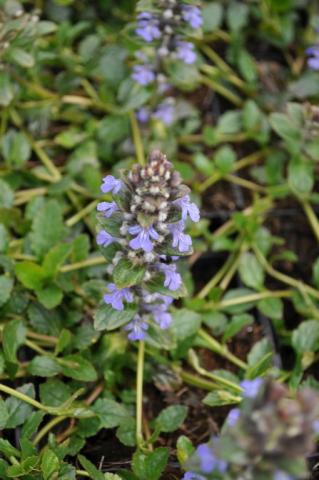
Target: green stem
[(217, 87), (90, 262), (193, 360), (196, 381), (292, 282), (217, 277), (312, 217), (139, 394), (47, 428), (23, 398), (222, 350), (245, 183), (137, 139), (82, 213), (83, 473), (231, 272)]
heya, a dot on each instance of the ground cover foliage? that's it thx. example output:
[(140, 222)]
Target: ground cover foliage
[(239, 123)]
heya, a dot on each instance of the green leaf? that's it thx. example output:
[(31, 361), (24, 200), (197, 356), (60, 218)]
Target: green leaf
[(49, 464), (259, 358), (237, 16), (54, 392), (50, 297), (171, 418), (14, 334), (113, 128), (184, 449), (111, 413), (107, 318), (25, 467), (250, 271), (77, 367), (183, 76), (149, 466), (301, 177), (15, 148), (6, 195), (30, 275), (285, 128), (6, 285), (185, 323), (306, 336), (31, 425), (237, 323), (7, 449), (55, 258), (18, 410), (3, 414), (272, 308), (219, 398), (21, 57), (43, 366), (225, 158), (93, 472), (229, 123), (126, 432), (212, 16), (126, 274), (316, 273), (6, 89), (47, 227)]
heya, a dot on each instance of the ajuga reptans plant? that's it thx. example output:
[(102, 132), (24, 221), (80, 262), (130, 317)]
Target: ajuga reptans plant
[(267, 438), (163, 27), (142, 234)]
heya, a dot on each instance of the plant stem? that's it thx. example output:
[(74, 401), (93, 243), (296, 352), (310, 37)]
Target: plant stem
[(82, 213), (23, 398), (47, 428), (217, 87), (231, 272), (312, 217), (222, 350), (139, 393), (299, 285), (217, 277), (196, 381), (137, 139), (194, 362), (90, 262), (245, 183)]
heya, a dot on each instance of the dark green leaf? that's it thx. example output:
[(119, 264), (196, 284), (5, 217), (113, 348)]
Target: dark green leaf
[(107, 318)]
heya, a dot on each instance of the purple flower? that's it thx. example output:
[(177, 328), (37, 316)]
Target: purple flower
[(193, 476), (251, 387), (192, 15), (143, 114), (165, 112), (188, 208), (116, 297), (313, 60), (148, 27), (137, 328), (208, 460), (232, 417), (108, 207), (315, 427), (185, 52), (280, 475), (180, 239), (104, 238), (143, 74), (173, 280), (143, 238), (162, 318), (111, 184)]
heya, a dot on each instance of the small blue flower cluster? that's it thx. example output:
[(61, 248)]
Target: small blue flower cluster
[(263, 402), (165, 28), (145, 224), (313, 56)]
